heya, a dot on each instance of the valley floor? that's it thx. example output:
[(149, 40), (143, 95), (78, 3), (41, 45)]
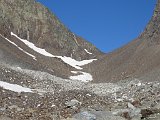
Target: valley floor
[(34, 95)]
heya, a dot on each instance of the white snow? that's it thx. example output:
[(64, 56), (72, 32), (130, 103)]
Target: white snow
[(74, 63), (70, 61), (119, 100), (88, 52), (139, 84), (33, 47), (14, 87), (19, 48), (84, 77), (53, 105), (75, 72)]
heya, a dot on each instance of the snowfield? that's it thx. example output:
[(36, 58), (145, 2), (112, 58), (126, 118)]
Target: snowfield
[(70, 61), (84, 77)]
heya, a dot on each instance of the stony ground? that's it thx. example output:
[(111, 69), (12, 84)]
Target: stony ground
[(54, 98)]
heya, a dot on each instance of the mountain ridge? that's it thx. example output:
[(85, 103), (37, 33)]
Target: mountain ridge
[(32, 22), (35, 18), (133, 59)]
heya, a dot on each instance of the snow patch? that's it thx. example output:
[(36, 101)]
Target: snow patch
[(14, 87), (19, 47), (88, 52), (33, 47), (75, 72), (70, 61), (74, 63), (84, 77)]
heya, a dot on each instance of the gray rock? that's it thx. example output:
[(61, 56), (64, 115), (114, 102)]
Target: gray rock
[(131, 106), (2, 109), (119, 112), (131, 112), (154, 117), (5, 118), (97, 115), (135, 113), (15, 107), (157, 106), (72, 103), (86, 116)]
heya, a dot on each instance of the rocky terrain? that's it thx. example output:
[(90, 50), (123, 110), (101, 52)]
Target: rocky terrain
[(49, 73), (53, 98), (31, 21)]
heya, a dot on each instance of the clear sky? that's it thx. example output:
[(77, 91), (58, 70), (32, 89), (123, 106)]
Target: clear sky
[(108, 24)]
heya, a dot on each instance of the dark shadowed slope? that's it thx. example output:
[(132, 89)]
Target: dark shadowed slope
[(139, 58)]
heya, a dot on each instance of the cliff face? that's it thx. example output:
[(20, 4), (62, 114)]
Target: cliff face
[(39, 28), (32, 21), (139, 58)]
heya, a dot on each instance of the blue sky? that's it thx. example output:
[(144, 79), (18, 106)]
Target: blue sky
[(108, 24)]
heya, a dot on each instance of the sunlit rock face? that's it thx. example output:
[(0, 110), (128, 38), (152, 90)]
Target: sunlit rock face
[(31, 21)]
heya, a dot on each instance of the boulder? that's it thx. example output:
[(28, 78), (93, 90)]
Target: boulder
[(97, 115)]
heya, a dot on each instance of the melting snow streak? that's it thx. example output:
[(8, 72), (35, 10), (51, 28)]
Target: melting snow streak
[(72, 62), (88, 52), (33, 47), (19, 47), (14, 87), (84, 77)]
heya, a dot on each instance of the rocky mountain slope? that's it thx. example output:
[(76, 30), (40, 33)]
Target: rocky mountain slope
[(46, 70), (137, 59), (32, 21), (35, 24)]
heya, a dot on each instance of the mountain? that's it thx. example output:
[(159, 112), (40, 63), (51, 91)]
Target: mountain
[(35, 24), (137, 59), (49, 73)]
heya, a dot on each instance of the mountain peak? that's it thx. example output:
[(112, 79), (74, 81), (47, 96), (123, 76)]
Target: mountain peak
[(32, 36), (32, 21)]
